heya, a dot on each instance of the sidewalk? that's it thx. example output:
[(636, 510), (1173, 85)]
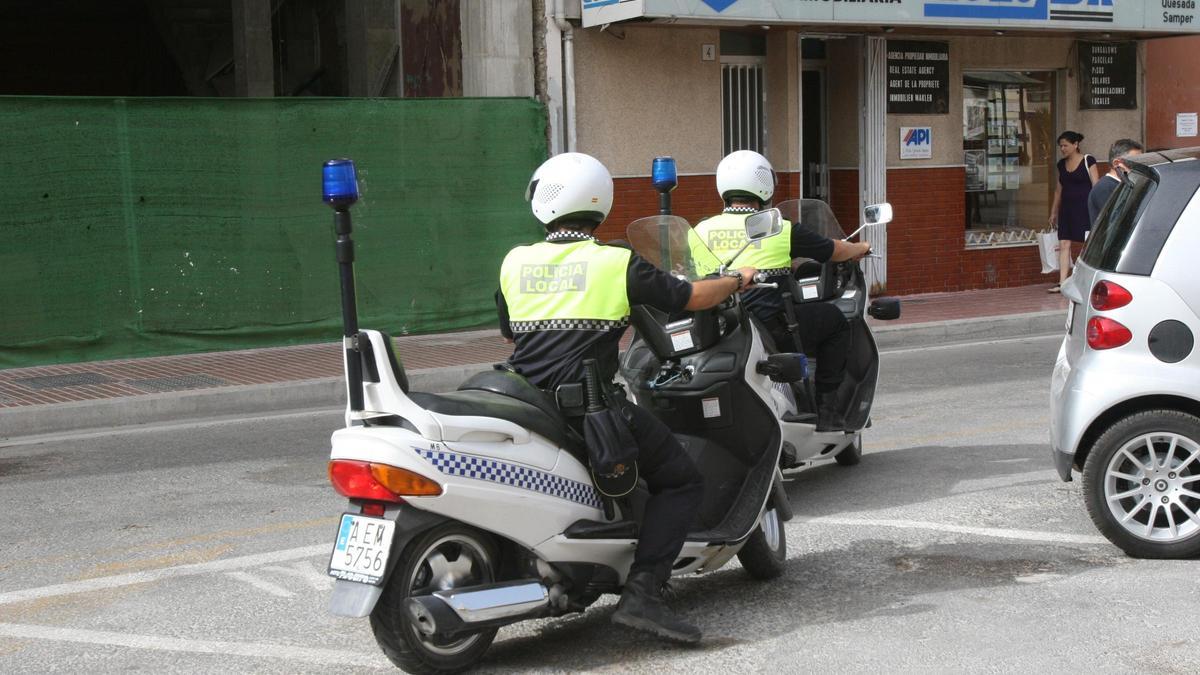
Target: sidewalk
[(55, 399)]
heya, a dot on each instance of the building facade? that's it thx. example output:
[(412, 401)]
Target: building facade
[(948, 109)]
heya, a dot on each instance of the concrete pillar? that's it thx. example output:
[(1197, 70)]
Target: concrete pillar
[(497, 47), (253, 65)]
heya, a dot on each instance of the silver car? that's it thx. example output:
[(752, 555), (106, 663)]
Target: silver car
[(1125, 395)]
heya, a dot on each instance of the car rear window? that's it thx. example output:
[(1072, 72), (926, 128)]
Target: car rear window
[(1116, 223)]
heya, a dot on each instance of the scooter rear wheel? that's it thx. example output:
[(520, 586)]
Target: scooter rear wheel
[(448, 556)]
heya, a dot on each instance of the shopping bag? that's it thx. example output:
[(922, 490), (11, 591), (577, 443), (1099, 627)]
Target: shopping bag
[(1048, 249)]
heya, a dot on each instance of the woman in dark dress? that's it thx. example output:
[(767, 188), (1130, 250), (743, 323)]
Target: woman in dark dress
[(1077, 173)]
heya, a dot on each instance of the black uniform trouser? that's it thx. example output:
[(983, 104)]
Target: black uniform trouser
[(676, 491), (824, 334)]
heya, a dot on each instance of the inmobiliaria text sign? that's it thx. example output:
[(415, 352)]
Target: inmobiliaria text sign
[(1176, 16)]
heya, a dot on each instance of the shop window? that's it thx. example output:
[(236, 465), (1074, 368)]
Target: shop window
[(1009, 152)]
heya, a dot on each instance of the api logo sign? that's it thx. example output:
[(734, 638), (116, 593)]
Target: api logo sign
[(916, 142)]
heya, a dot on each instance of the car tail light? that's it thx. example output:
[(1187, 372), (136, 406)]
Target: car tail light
[(1107, 295), (378, 482), (1104, 333)]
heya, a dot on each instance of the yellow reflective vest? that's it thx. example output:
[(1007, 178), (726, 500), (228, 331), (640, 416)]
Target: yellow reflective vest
[(577, 285), (726, 234)]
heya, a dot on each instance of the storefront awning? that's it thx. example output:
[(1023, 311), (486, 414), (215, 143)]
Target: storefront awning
[(1116, 16)]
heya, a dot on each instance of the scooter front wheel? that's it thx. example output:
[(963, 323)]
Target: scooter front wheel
[(765, 553), (851, 454), (448, 556)]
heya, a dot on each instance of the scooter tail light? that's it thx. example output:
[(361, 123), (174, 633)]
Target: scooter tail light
[(356, 480), (1105, 333), (404, 482), (1106, 295)]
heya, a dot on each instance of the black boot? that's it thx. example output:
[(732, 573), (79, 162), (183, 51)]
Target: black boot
[(642, 608), (829, 417)]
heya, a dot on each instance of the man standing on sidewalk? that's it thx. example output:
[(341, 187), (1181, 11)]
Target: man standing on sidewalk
[(1103, 189)]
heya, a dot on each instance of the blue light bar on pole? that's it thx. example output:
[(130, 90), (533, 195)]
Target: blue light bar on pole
[(339, 182), (663, 175)]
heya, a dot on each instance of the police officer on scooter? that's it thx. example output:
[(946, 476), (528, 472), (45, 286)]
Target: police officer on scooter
[(567, 299), (746, 182)]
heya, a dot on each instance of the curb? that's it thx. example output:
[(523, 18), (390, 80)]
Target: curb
[(330, 393)]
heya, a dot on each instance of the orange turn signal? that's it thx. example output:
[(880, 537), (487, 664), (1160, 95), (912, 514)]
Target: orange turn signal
[(404, 482)]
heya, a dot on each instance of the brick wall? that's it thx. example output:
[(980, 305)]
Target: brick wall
[(926, 251)]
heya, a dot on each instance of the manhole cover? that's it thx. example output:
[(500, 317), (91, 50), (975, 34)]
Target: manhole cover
[(177, 383), (70, 380)]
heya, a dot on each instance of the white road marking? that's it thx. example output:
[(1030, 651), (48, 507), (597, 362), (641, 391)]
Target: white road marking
[(116, 581), (1001, 533), (261, 584), (170, 644), (303, 570), (978, 343)]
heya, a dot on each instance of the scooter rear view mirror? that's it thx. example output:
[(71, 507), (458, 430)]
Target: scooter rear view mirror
[(763, 224), (875, 214), (759, 226), (878, 214)]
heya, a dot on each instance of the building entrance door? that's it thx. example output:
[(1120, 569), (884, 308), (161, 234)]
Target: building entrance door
[(812, 134)]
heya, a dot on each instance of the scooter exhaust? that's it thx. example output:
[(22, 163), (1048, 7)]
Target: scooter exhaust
[(454, 611)]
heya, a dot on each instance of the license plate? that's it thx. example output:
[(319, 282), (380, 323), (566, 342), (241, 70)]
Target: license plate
[(361, 550)]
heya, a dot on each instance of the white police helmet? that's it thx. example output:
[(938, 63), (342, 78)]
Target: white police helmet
[(571, 185), (745, 173)]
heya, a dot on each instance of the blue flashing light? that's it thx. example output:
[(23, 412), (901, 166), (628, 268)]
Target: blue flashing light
[(663, 174), (339, 182)]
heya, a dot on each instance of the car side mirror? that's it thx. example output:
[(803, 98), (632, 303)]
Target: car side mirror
[(763, 224), (878, 214), (885, 309)]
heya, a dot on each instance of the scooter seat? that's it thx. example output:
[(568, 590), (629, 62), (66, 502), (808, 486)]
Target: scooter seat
[(479, 403)]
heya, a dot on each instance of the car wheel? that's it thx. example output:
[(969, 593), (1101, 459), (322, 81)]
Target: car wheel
[(1141, 484), (851, 454)]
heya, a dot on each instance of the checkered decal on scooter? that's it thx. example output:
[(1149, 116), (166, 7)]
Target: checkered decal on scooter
[(478, 468)]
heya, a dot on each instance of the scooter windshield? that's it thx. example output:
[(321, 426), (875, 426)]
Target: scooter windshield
[(671, 245), (813, 215)]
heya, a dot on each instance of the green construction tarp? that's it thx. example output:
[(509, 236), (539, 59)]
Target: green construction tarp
[(138, 227)]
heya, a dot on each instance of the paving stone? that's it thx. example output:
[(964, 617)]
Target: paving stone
[(58, 381), (177, 383)]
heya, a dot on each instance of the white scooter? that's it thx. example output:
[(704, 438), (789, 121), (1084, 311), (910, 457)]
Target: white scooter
[(683, 365), (475, 509)]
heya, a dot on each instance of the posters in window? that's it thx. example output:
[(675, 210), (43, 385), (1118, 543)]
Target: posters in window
[(976, 161), (974, 117)]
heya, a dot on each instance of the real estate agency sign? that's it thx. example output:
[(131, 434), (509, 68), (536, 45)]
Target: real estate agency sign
[(1176, 16), (1107, 75)]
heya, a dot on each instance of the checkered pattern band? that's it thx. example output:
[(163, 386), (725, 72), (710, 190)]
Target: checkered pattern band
[(566, 324), (495, 471), (777, 271)]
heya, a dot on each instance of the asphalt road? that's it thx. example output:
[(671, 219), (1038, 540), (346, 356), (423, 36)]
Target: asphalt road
[(952, 547)]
